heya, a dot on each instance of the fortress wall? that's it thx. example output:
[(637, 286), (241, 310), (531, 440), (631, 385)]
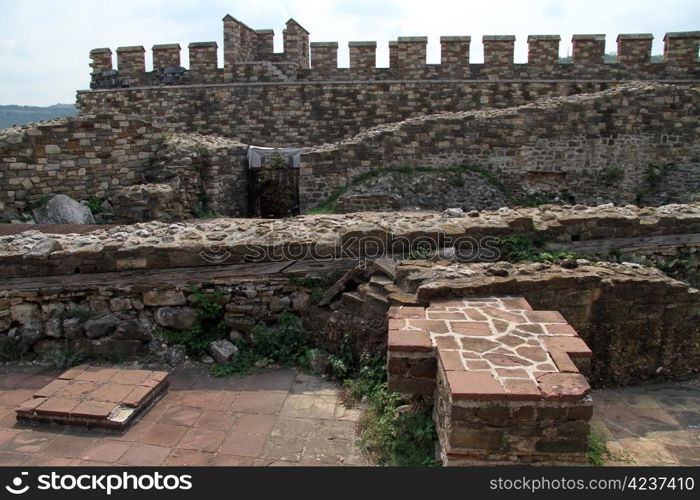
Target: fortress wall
[(408, 59), (306, 114), (599, 147)]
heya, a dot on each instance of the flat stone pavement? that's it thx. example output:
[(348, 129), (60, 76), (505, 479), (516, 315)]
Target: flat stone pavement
[(652, 424), (281, 417), (275, 417)]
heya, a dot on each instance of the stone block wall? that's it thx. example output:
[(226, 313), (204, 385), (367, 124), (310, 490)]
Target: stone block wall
[(411, 54), (109, 320), (132, 65), (543, 50), (203, 61), (101, 60), (681, 50), (548, 146), (166, 56), (324, 56), (143, 173), (240, 42), (634, 49), (589, 50), (79, 156), (498, 53), (363, 55), (296, 44), (454, 50)]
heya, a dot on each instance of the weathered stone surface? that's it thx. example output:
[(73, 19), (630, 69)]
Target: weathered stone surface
[(100, 327), (44, 248), (179, 318), (164, 298), (62, 209), (222, 351), (24, 313)]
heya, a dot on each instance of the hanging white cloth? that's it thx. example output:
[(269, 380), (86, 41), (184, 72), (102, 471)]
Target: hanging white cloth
[(257, 153)]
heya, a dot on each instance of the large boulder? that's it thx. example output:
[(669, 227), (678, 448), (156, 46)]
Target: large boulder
[(62, 209)]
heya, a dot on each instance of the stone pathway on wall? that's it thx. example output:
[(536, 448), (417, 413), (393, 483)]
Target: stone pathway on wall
[(276, 417)]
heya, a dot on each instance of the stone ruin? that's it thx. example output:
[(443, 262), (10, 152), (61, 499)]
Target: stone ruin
[(505, 352)]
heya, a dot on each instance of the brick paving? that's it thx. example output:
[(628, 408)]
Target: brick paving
[(298, 420), (655, 424), (88, 396), (276, 417)]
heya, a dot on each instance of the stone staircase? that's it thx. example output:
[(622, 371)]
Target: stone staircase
[(275, 71)]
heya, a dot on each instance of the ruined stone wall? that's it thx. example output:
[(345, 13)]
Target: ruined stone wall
[(157, 245), (110, 320), (78, 156), (617, 145), (639, 323), (144, 173)]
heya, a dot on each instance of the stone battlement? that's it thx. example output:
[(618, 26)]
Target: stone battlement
[(249, 57)]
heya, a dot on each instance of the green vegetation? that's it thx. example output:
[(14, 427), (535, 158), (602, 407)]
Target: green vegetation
[(66, 356), (518, 249), (685, 266), (657, 173), (39, 203), (538, 198), (10, 350), (209, 327), (82, 314), (390, 436), (455, 178), (312, 284), (598, 452), (612, 175), (95, 205), (20, 115)]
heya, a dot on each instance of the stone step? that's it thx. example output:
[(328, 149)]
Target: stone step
[(340, 285), (376, 303), (386, 266), (378, 282), (353, 301)]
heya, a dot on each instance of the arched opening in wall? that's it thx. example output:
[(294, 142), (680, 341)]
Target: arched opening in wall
[(273, 182)]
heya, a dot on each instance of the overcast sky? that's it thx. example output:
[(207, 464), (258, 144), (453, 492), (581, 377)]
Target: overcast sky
[(44, 44)]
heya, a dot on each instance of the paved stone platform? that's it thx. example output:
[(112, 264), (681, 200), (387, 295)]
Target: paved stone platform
[(93, 396), (508, 381), (275, 417)]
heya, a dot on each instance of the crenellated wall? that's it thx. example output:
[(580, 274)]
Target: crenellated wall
[(318, 60), (300, 96)]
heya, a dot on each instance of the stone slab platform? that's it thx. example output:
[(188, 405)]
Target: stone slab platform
[(507, 381), (90, 396)]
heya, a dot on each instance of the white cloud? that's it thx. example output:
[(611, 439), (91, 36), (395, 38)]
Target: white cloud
[(44, 46)]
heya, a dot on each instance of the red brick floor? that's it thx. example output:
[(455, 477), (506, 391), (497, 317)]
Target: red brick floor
[(94, 396), (276, 417), (298, 420)]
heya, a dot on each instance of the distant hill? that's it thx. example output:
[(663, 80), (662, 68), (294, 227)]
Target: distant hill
[(611, 57), (19, 115)]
